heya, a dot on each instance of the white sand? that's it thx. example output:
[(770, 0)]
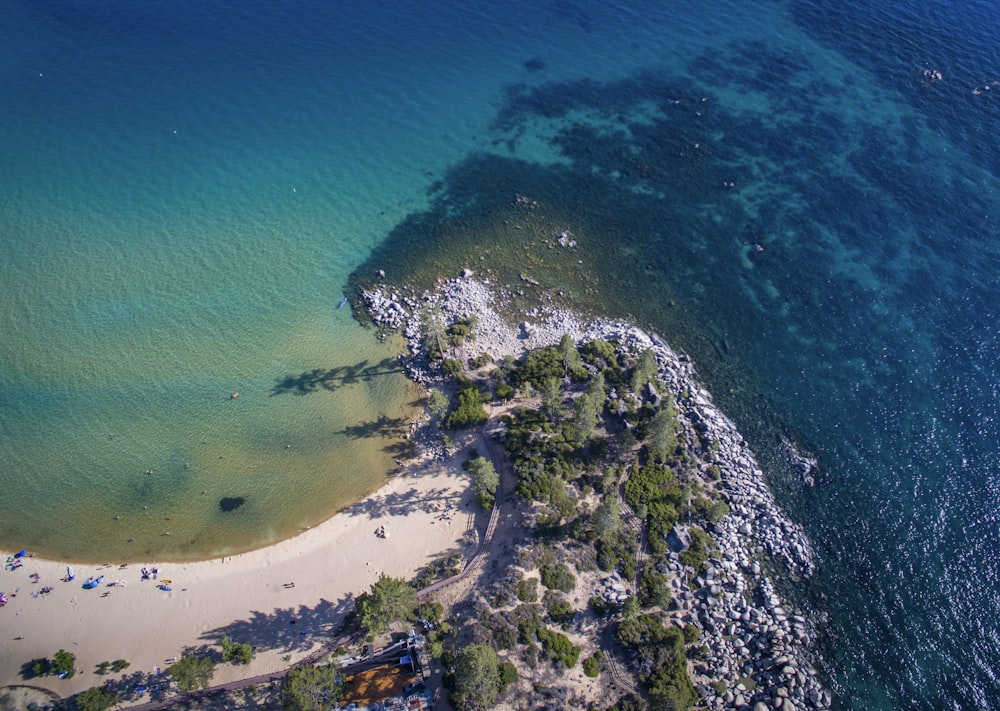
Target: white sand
[(248, 596)]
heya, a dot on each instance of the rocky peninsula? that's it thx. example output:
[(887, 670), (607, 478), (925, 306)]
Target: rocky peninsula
[(753, 650)]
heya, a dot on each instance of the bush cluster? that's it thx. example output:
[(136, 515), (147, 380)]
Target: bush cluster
[(557, 576)]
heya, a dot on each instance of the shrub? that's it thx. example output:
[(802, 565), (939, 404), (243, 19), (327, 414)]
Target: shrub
[(653, 590), (508, 675), (557, 647), (591, 666), (556, 576), (598, 605), (238, 652), (63, 664), (41, 666), (485, 480), (98, 698), (480, 360), (558, 608), (697, 553), (192, 673), (469, 410), (430, 611), (527, 590)]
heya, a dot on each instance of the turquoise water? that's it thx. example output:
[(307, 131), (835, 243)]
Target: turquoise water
[(777, 188), (183, 193)]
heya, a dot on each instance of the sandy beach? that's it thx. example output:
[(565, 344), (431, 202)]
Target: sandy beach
[(284, 599)]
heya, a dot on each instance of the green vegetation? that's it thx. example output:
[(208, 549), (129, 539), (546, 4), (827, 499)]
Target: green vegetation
[(469, 410), (480, 360), (388, 600), (662, 432), (602, 414), (97, 698), (527, 590), (558, 608), (653, 588), (459, 331), (477, 680), (237, 652), (432, 611), (655, 487), (557, 647), (697, 553), (645, 371), (557, 576), (592, 665), (311, 688), (192, 673), (62, 664), (660, 652), (438, 569), (485, 480), (437, 402)]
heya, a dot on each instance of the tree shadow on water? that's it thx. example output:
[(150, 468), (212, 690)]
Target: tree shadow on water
[(383, 427), (290, 629), (330, 379)]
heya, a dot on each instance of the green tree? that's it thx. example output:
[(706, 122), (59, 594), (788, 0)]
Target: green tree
[(645, 370), (588, 407), (558, 576), (654, 590), (63, 664), (477, 677), (192, 673), (437, 402), (606, 519), (239, 652), (552, 397), (469, 410), (97, 698), (484, 479), (388, 600), (570, 355), (508, 675), (311, 688), (663, 433)]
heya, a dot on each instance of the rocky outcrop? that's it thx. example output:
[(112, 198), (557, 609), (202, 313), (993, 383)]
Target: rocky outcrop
[(745, 628)]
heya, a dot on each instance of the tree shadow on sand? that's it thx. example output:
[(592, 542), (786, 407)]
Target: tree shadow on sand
[(401, 503), (288, 630), (330, 379), (140, 684)]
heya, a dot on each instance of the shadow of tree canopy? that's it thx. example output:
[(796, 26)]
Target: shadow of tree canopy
[(286, 629), (135, 685), (332, 378), (384, 426), (400, 503)]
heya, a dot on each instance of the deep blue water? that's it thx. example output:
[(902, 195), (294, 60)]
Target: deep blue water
[(777, 188)]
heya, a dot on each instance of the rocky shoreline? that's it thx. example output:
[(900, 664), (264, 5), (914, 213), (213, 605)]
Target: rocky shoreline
[(745, 628)]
